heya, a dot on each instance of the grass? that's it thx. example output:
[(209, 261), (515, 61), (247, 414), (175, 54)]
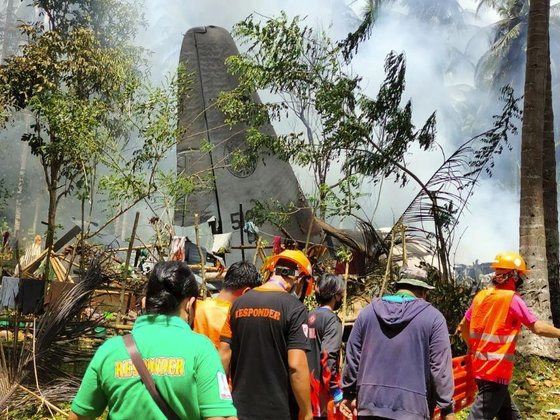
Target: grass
[(535, 388)]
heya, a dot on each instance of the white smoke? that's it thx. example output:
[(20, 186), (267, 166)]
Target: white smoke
[(440, 77)]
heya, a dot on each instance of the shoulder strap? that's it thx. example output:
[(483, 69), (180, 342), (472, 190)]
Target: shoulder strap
[(147, 378)]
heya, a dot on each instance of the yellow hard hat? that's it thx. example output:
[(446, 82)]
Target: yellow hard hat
[(509, 260), (294, 256)]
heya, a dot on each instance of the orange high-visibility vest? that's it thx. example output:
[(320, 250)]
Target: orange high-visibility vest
[(492, 339)]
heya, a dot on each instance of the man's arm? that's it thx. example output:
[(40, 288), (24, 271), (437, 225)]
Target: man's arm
[(214, 397), (224, 349), (353, 356), (74, 416), (465, 327), (331, 343), (225, 355), (220, 418), (299, 379), (545, 330), (441, 368)]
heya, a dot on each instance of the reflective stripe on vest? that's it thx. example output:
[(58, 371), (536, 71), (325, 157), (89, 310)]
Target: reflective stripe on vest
[(493, 336), (493, 356)]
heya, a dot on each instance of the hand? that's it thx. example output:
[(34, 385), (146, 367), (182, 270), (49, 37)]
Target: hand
[(306, 416), (449, 417), (348, 408)]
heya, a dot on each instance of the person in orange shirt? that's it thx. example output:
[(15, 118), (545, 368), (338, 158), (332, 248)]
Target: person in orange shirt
[(211, 314)]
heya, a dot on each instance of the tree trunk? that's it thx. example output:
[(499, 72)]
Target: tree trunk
[(20, 184), (8, 31), (51, 217), (36, 214), (531, 220), (550, 198)]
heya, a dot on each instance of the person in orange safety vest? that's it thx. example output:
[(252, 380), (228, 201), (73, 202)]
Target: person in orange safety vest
[(211, 314), (490, 329)]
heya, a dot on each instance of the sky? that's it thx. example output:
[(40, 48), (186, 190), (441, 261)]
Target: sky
[(491, 224)]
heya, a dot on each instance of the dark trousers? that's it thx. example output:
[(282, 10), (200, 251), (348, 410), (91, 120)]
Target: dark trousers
[(493, 401)]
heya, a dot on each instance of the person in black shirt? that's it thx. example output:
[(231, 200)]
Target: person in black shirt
[(325, 337), (264, 341)]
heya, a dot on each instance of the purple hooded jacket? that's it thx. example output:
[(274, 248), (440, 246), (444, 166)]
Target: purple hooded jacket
[(398, 361)]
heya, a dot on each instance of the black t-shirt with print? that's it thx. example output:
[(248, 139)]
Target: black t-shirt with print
[(263, 325)]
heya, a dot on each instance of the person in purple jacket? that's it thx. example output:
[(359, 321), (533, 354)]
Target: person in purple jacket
[(398, 356)]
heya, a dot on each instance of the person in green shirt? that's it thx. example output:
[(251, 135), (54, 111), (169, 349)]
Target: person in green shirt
[(185, 366)]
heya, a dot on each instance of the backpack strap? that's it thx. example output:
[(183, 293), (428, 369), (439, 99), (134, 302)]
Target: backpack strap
[(147, 378)]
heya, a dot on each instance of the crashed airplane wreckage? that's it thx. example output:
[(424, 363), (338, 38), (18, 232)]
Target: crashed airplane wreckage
[(204, 52)]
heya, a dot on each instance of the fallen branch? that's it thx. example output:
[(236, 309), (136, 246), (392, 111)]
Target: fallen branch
[(43, 400)]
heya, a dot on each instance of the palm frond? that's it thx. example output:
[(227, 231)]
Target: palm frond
[(444, 197), (55, 331), (349, 45)]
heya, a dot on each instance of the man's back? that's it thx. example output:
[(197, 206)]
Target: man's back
[(263, 325), (397, 353), (211, 315)]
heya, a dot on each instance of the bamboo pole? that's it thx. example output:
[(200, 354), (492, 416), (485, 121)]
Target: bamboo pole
[(389, 264), (345, 298), (200, 254), (257, 250), (403, 240), (126, 264)]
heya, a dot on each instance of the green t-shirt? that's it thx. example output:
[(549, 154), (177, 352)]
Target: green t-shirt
[(185, 366)]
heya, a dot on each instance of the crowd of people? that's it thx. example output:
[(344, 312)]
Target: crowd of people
[(256, 352)]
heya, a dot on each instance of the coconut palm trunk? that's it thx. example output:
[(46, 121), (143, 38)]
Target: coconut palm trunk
[(550, 201), (532, 239)]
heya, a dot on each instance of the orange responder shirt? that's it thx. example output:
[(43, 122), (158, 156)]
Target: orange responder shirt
[(210, 317)]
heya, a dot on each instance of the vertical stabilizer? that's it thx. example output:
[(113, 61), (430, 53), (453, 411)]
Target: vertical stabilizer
[(204, 52)]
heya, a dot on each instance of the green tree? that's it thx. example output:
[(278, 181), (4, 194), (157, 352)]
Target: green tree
[(336, 122), (504, 61), (96, 127)]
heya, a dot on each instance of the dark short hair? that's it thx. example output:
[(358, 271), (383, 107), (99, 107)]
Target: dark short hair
[(169, 283), (327, 287), (240, 275), (284, 262)]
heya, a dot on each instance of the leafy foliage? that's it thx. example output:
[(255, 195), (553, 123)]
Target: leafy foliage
[(385, 130), (504, 62), (100, 132), (443, 198), (336, 122)]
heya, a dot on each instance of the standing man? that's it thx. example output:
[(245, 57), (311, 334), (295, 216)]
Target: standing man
[(325, 337), (398, 356), (264, 341), (490, 328), (211, 314)]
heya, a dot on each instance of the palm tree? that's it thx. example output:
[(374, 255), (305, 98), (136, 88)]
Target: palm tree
[(502, 64), (532, 237), (435, 11), (550, 200)]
